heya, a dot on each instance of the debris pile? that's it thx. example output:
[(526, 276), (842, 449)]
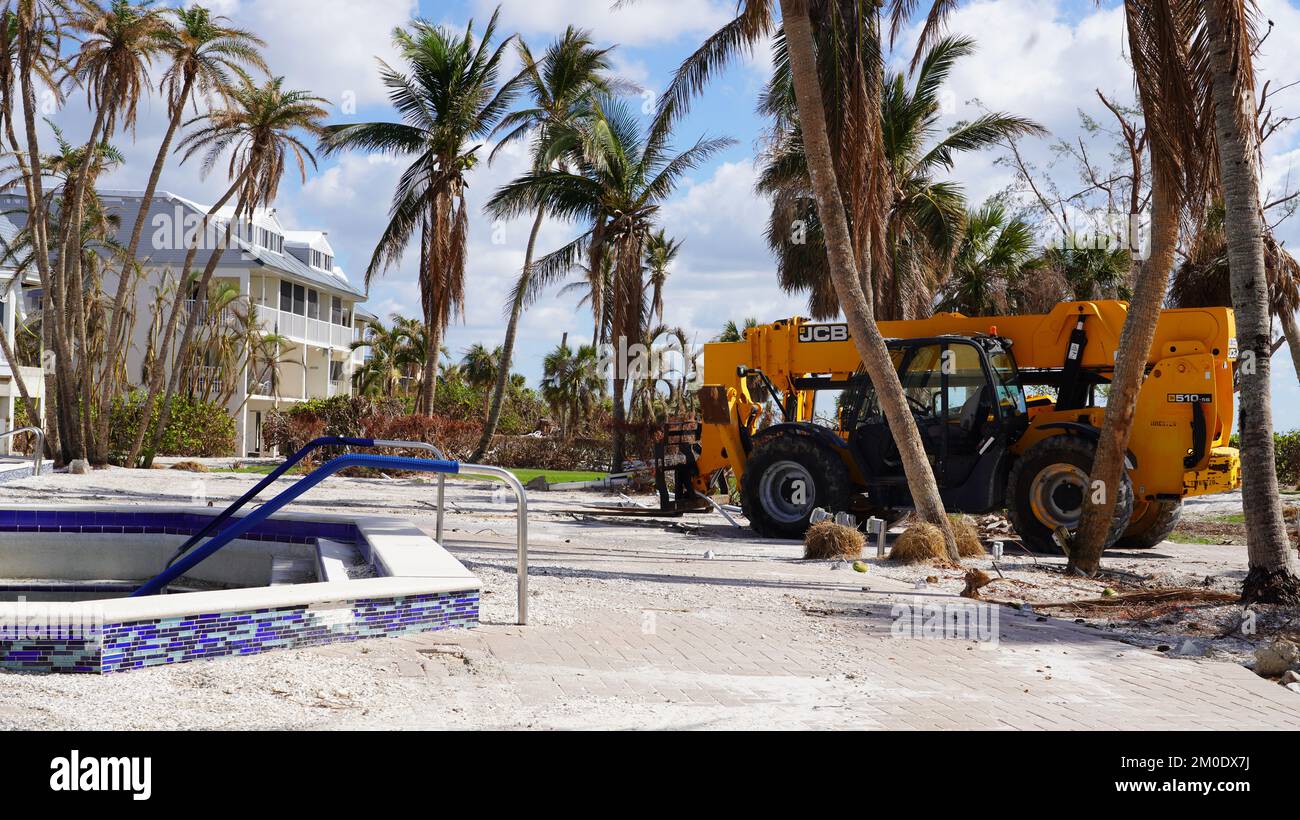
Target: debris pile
[(826, 539), (920, 542)]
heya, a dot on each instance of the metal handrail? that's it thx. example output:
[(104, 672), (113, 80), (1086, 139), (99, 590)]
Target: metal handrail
[(194, 557), (38, 451), (289, 462)]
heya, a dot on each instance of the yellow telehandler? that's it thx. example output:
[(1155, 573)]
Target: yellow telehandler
[(1009, 409)]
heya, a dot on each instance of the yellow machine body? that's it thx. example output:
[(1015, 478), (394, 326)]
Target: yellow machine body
[(1189, 371)]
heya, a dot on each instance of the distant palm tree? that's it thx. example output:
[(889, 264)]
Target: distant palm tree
[(481, 368), (562, 86), (733, 333), (412, 353), (383, 368), (615, 186), (259, 127), (1092, 270), (204, 50), (571, 384), (448, 97), (995, 251), (660, 253)]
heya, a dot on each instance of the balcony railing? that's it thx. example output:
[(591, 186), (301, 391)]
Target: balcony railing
[(260, 387), (301, 328)]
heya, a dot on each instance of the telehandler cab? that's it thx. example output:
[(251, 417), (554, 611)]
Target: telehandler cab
[(991, 442)]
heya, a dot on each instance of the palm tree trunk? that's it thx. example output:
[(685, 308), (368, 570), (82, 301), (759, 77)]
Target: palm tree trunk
[(28, 43), (844, 273), (620, 418), (192, 322), (429, 296), (1130, 368), (1273, 574), (116, 343), (1292, 332), (430, 372), (507, 348), (596, 267), (169, 333), (70, 251)]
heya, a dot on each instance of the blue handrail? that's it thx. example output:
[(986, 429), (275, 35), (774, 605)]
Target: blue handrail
[(224, 515), (302, 485)]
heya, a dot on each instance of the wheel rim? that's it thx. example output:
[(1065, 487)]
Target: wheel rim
[(783, 486), (1056, 496)]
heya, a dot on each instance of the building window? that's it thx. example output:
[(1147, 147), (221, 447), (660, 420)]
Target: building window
[(300, 300), (313, 305), (336, 311), (336, 370), (286, 296)]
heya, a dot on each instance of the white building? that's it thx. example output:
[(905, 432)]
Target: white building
[(290, 276), (17, 294)]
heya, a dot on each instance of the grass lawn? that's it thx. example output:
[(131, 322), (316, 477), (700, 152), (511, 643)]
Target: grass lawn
[(525, 475), (1187, 538)]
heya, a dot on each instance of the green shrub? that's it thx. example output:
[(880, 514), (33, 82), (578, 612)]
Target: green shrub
[(196, 429), (1286, 447)]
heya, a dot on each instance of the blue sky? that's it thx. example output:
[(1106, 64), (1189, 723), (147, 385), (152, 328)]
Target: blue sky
[(1040, 58)]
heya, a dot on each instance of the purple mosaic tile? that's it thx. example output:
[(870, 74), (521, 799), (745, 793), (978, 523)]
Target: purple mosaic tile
[(138, 644)]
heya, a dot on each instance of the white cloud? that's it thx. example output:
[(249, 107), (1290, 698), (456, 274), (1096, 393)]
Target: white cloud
[(329, 46), (639, 22)]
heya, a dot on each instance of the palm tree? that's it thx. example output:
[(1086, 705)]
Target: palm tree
[(413, 353), (447, 98), (647, 402), (571, 384), (118, 45), (1091, 269), (994, 253), (660, 253), (562, 87), (481, 368), (615, 185), (1273, 575), (38, 40), (857, 83), (731, 332), (259, 128), (1163, 39), (383, 368), (204, 52), (924, 218), (1202, 278)]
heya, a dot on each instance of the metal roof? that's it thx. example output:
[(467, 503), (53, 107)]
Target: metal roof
[(240, 253)]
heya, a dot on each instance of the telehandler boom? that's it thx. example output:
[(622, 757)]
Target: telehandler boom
[(992, 443)]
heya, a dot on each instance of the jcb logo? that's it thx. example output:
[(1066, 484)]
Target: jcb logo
[(824, 333)]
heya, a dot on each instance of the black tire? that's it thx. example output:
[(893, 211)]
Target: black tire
[(767, 490), (1051, 470), (1152, 523)]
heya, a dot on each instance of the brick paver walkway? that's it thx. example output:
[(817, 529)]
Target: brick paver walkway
[(832, 663)]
